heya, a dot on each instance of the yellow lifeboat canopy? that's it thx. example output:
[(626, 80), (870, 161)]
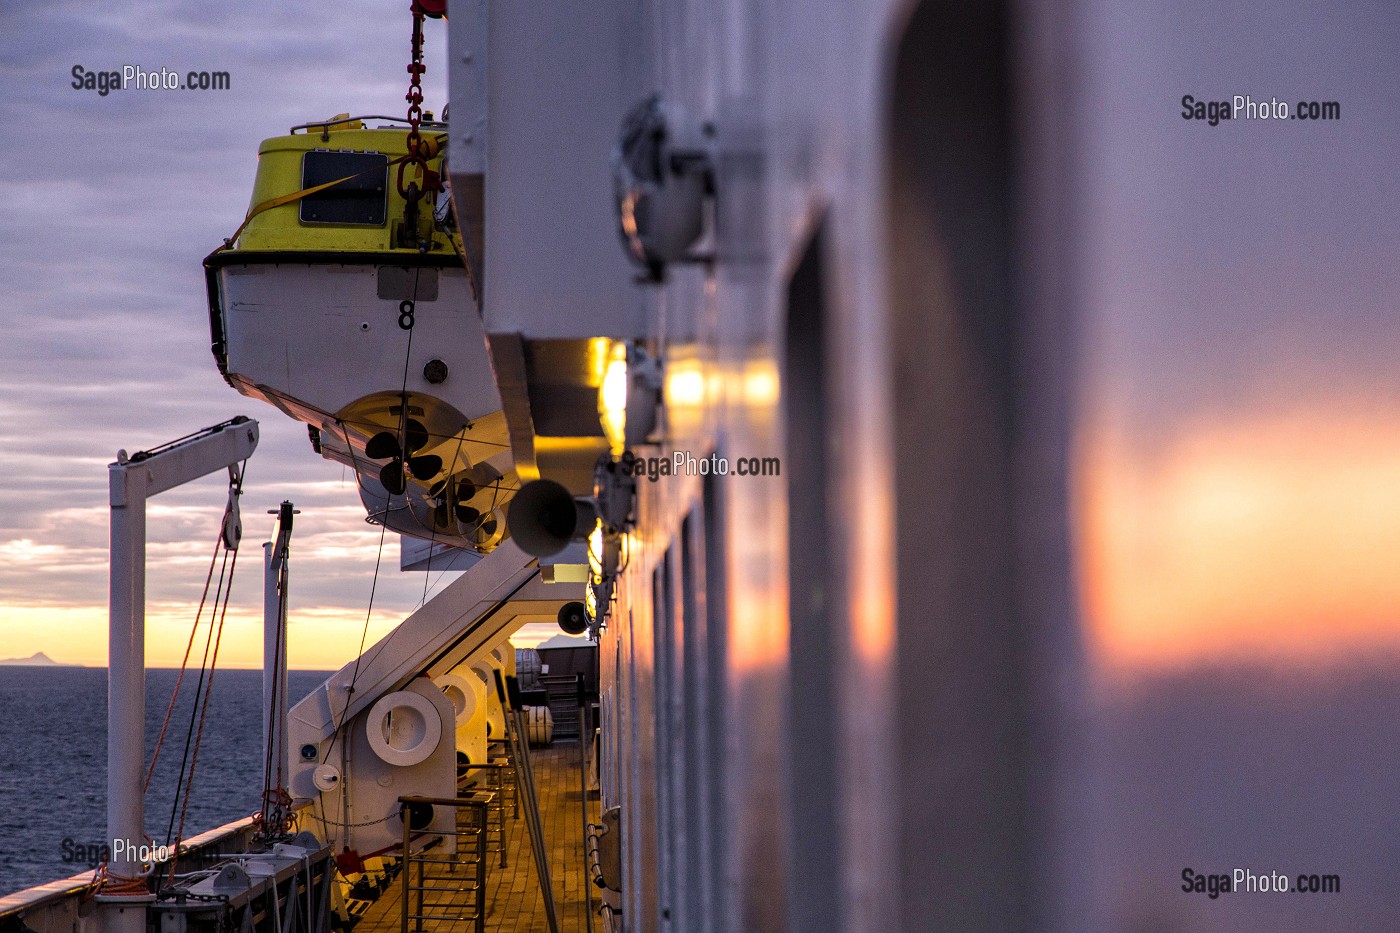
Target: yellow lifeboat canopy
[(345, 301)]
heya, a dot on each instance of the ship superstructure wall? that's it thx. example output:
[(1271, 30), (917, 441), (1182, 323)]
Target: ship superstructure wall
[(829, 684)]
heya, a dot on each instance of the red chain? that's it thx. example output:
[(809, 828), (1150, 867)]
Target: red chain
[(418, 150), (415, 86)]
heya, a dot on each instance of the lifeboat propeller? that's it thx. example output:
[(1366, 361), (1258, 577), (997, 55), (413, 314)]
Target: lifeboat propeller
[(387, 446), (452, 495)]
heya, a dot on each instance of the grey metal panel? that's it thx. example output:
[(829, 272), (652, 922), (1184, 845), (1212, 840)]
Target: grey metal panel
[(467, 130), (556, 97), (466, 50)]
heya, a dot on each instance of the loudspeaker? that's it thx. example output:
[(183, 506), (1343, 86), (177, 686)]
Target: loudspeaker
[(544, 518), (573, 618)]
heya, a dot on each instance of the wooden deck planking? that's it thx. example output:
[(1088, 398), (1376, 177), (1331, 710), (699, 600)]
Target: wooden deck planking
[(513, 901)]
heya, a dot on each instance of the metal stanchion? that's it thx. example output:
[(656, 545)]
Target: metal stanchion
[(407, 872), (496, 781), (525, 786), (585, 738)]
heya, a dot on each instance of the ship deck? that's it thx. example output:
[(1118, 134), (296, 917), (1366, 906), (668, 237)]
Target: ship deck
[(513, 899)]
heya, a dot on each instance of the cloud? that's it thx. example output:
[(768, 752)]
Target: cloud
[(25, 551), (112, 205)]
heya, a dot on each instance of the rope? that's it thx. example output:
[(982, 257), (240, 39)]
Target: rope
[(194, 707), (364, 632), (268, 749), (208, 664), (276, 819), (203, 714), (194, 629), (109, 882), (432, 540)]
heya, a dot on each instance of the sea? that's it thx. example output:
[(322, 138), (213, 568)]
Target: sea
[(53, 762)]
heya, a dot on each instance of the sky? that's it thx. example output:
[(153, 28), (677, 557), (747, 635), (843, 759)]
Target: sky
[(109, 204)]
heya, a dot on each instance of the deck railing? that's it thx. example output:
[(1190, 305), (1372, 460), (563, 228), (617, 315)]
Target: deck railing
[(432, 883), (56, 907)]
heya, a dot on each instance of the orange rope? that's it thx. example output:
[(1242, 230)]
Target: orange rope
[(277, 804), (170, 707), (203, 714), (106, 881)]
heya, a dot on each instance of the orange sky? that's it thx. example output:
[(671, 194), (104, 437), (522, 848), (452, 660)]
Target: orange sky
[(1275, 537), (319, 639)]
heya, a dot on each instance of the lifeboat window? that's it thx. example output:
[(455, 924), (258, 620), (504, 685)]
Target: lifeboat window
[(360, 200)]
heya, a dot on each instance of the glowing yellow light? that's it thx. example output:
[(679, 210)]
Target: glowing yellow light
[(595, 569), (612, 399), (590, 601), (595, 553), (685, 387), (761, 385), (613, 392), (599, 352)]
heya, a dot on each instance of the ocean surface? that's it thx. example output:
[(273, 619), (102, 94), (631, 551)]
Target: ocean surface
[(53, 761)]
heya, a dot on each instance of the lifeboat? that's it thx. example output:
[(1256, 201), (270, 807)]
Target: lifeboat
[(345, 301)]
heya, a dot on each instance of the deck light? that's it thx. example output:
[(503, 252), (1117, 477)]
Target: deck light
[(685, 386), (628, 395), (612, 399)]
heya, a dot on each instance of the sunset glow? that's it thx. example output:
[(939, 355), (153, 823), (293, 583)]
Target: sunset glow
[(318, 639), (1275, 537)]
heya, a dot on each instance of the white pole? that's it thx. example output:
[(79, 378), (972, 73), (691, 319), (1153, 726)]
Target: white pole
[(126, 686), (279, 745), (275, 645), (271, 616)]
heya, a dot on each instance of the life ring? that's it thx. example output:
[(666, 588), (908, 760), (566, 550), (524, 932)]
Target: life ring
[(460, 694), (403, 728)]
